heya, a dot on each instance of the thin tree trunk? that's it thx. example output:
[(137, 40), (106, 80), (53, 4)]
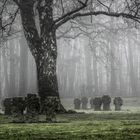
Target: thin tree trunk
[(12, 81), (121, 77), (88, 71), (6, 79), (23, 67), (95, 72), (132, 76)]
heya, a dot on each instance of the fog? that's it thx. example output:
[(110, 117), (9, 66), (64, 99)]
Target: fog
[(92, 61)]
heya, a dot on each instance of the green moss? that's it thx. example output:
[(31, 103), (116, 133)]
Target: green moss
[(97, 126)]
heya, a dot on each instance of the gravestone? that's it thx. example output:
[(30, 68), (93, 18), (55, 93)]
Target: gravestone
[(32, 108), (51, 106), (118, 102), (77, 103), (7, 103), (97, 103), (106, 99), (84, 102), (17, 109), (92, 103)]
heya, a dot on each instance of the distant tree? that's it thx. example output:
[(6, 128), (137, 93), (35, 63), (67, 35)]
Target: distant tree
[(23, 69), (131, 67), (5, 68), (12, 73)]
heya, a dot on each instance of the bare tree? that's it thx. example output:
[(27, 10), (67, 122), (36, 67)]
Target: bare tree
[(41, 36)]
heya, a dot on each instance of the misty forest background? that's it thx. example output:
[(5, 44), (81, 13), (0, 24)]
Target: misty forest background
[(95, 57)]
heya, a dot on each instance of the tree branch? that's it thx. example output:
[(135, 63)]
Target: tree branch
[(95, 13), (108, 8), (83, 5)]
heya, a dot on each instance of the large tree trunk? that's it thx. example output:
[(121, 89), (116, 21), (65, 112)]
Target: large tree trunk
[(46, 67), (42, 44)]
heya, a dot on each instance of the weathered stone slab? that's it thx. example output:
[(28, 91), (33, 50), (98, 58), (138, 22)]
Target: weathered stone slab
[(77, 103), (118, 102), (97, 103), (106, 99), (17, 109), (84, 102), (7, 103), (32, 108)]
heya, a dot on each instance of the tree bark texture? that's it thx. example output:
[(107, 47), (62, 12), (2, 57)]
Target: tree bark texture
[(42, 44)]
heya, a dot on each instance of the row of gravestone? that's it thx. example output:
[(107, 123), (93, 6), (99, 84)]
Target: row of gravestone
[(97, 102), (28, 109)]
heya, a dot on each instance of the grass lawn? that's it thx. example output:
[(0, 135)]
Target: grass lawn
[(93, 126)]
